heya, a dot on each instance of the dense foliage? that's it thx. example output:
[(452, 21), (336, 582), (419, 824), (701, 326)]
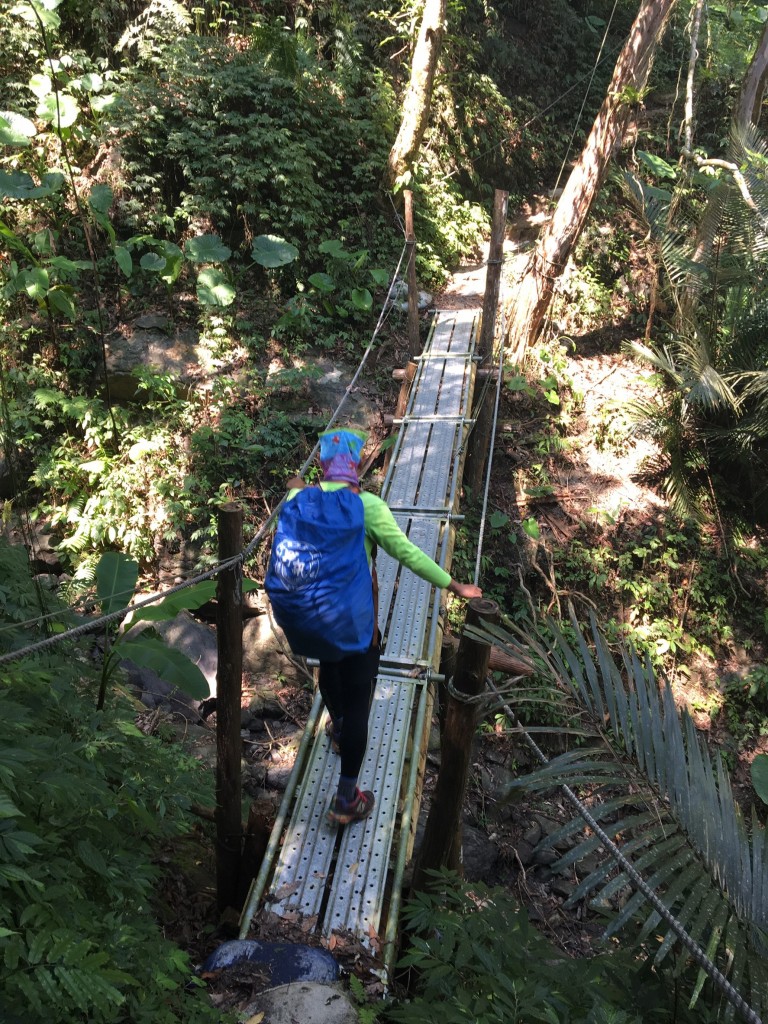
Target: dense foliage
[(85, 800), (222, 164)]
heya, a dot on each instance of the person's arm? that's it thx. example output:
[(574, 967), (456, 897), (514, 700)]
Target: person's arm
[(380, 524), (465, 590)]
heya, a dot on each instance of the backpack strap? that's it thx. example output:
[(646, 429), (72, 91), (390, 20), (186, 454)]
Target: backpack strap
[(376, 641)]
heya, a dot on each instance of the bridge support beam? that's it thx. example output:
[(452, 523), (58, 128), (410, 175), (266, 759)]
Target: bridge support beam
[(442, 836)]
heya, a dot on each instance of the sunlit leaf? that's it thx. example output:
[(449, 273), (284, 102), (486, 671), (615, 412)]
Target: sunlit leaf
[(174, 260), (206, 249), (40, 85), (15, 130), (60, 109), (531, 527), (271, 251), (36, 283), (213, 289), (101, 103), (657, 165), (92, 82)]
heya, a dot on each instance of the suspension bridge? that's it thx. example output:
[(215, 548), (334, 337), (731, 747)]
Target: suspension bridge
[(349, 880)]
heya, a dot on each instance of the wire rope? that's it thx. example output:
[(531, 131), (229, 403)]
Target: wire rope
[(586, 96), (489, 468)]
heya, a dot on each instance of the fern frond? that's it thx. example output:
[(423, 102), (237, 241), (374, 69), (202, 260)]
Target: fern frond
[(681, 824)]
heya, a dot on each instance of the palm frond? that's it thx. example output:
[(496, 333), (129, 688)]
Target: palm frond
[(670, 801)]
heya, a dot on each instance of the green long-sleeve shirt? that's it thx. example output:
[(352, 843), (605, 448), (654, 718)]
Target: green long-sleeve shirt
[(381, 529)]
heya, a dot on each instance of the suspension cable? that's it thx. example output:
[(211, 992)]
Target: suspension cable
[(491, 447)]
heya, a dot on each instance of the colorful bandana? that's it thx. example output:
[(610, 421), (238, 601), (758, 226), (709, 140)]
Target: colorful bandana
[(340, 454)]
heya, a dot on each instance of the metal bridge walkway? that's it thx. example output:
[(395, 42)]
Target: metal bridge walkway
[(349, 880)]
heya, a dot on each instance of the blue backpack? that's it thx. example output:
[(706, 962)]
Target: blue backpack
[(318, 580)]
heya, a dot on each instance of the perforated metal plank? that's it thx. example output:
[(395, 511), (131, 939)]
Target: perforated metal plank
[(454, 328), (437, 373), (423, 473), (360, 878), (404, 598), (423, 476), (441, 386), (306, 855), (308, 861)]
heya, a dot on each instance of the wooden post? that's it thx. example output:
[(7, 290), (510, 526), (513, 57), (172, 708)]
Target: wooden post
[(479, 439), (442, 836), (414, 339), (229, 678), (402, 402)]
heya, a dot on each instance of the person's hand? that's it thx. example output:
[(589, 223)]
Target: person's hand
[(465, 590), (293, 482)]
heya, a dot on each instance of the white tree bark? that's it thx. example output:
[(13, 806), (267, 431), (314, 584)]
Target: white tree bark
[(418, 97)]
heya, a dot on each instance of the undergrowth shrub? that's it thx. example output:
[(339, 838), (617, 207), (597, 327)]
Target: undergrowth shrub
[(474, 956), (85, 799)]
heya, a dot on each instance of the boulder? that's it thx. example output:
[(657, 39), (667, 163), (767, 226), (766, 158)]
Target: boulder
[(153, 341), (265, 651), (285, 961)]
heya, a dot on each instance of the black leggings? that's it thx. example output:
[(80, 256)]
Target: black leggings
[(346, 687)]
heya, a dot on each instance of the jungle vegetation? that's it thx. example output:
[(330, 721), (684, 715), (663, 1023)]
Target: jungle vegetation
[(235, 171)]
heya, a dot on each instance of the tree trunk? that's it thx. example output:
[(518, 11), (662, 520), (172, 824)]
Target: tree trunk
[(418, 98), (630, 75), (750, 99)]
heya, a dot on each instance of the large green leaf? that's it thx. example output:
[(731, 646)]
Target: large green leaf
[(101, 198), (213, 288), (60, 298), (169, 664), (361, 299), (690, 847), (36, 283), (759, 770), (206, 249), (323, 282), (18, 185), (15, 130), (271, 251), (60, 109), (169, 607), (116, 578), (153, 262), (124, 260)]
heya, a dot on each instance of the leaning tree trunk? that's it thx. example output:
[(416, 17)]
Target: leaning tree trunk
[(418, 98), (747, 110), (530, 303)]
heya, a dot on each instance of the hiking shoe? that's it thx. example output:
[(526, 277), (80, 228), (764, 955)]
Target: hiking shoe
[(343, 812), (333, 736)]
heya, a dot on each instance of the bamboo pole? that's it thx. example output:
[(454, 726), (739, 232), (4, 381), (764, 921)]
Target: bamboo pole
[(229, 677), (414, 342)]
